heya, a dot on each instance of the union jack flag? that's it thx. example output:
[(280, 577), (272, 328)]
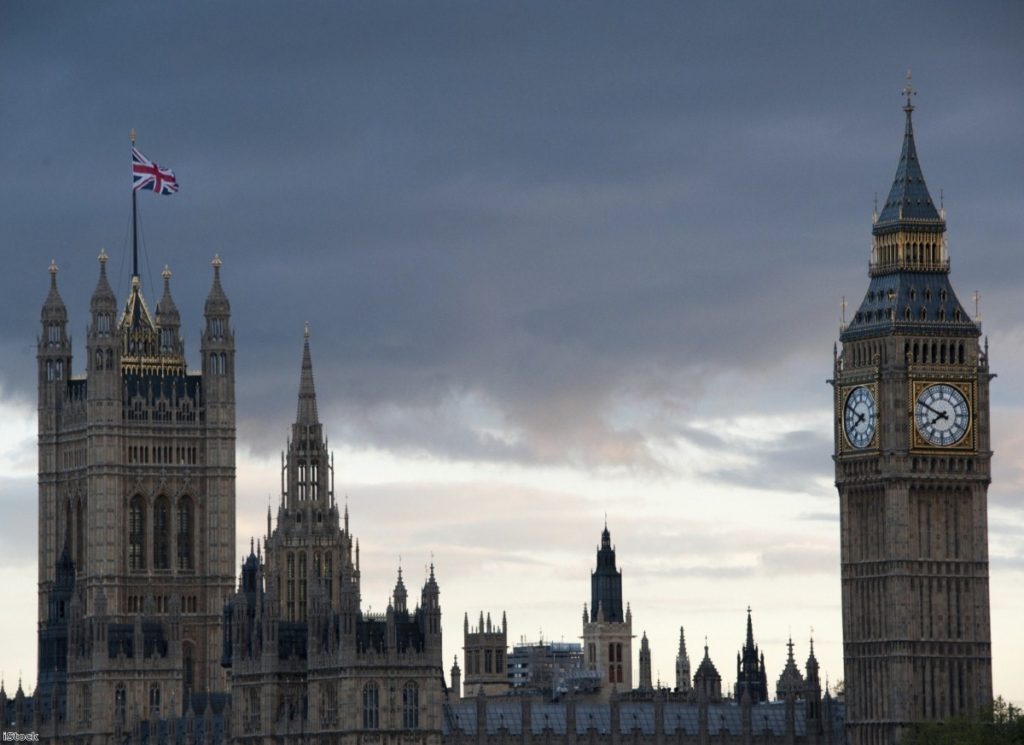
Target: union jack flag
[(148, 175)]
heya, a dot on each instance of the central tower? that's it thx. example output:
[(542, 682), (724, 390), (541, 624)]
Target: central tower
[(912, 457)]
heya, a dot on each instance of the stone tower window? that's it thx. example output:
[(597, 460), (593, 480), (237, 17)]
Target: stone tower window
[(188, 664), (120, 705), (185, 522), (79, 536), (137, 534), (411, 706), (161, 534), (371, 706), (154, 701)]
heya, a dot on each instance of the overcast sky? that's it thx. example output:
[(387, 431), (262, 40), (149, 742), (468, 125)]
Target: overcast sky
[(559, 260)]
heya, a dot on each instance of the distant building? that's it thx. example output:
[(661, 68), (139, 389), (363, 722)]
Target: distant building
[(607, 631), (484, 651)]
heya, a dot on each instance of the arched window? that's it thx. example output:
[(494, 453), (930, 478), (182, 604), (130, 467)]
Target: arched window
[(137, 533), (79, 536), (371, 706), (154, 701), (185, 522), (302, 585), (161, 534), (411, 705), (120, 705), (188, 666)]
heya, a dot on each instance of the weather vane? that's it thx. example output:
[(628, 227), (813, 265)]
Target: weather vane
[(908, 91)]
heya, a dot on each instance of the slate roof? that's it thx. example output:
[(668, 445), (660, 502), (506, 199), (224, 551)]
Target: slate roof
[(908, 200), (910, 303)]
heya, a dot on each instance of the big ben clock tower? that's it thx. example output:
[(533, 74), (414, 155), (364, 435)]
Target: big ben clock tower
[(912, 455)]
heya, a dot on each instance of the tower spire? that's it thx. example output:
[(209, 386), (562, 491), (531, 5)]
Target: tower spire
[(307, 413), (908, 200)]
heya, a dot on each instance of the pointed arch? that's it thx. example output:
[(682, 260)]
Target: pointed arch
[(161, 533), (185, 532), (137, 533)]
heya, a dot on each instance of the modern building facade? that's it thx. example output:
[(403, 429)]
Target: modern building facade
[(912, 465)]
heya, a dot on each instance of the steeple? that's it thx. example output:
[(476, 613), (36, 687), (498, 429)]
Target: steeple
[(910, 291), (606, 584), (400, 595), (168, 320), (790, 682), (307, 414), (682, 665), (909, 204), (103, 300), (750, 674), (310, 471), (645, 664)]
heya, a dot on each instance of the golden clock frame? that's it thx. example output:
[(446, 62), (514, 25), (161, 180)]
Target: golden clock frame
[(843, 393), (968, 389)]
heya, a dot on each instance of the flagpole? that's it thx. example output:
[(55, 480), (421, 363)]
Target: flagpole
[(135, 223)]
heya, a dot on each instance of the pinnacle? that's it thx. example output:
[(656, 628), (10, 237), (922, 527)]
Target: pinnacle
[(307, 413)]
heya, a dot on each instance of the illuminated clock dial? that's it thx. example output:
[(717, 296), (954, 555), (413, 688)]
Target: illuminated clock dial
[(942, 414), (859, 417)]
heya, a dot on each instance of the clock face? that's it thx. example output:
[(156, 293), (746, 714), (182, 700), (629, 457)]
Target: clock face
[(942, 414), (859, 417)]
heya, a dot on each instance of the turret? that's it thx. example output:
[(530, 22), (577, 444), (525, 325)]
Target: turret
[(456, 690), (682, 665), (103, 353), (54, 355), (399, 596), (430, 604), (217, 347), (309, 471), (168, 321), (645, 664)]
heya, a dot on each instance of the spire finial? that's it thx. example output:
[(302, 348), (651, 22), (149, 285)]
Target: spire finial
[(166, 273), (131, 135), (103, 256), (53, 272), (305, 330), (909, 92), (216, 263)]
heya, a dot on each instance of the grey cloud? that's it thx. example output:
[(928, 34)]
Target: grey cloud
[(545, 204)]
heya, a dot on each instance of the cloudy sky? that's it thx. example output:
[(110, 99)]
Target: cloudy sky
[(559, 261)]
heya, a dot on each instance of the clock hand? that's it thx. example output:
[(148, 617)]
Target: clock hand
[(942, 415), (860, 418), (931, 409)]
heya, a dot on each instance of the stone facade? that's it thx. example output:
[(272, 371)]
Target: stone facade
[(607, 631), (912, 464), (485, 653), (136, 511), (307, 663)]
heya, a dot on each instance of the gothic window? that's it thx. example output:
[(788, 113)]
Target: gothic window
[(137, 533), (161, 534), (371, 706), (302, 585), (99, 360), (103, 324), (291, 587), (185, 522), (79, 536), (316, 564), (85, 710), (154, 701), (487, 661), (411, 706), (188, 666), (499, 660), (329, 704), (251, 718), (328, 572), (120, 705), (53, 331)]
